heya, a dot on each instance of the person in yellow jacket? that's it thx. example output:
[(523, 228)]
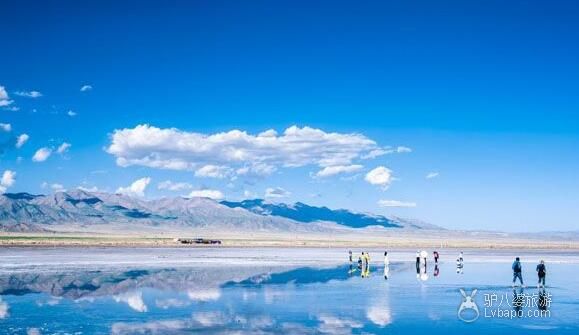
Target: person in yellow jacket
[(366, 270)]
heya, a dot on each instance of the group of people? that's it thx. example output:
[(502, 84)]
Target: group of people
[(421, 259), (363, 263), (518, 272)]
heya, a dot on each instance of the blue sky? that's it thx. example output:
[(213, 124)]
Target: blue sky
[(484, 93)]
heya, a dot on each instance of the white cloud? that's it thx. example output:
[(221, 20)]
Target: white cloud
[(137, 188), (385, 151), (211, 194), (402, 149), (7, 127), (377, 153), (257, 169), (380, 176), (41, 154), (4, 98), (71, 113), (213, 171), (249, 195), (395, 203), (236, 151), (29, 94), (276, 192), (12, 108), (57, 187), (329, 171), (63, 148), (431, 175), (21, 140), (88, 189), (86, 88), (8, 179), (172, 186)]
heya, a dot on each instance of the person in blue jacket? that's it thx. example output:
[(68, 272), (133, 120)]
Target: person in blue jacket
[(517, 271)]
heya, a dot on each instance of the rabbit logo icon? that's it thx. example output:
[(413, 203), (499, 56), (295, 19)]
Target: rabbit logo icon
[(468, 304)]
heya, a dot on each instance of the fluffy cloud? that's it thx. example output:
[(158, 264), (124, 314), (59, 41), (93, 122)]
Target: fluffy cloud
[(395, 203), (86, 88), (63, 148), (21, 140), (329, 171), (236, 152), (137, 188), (213, 171), (8, 179), (41, 154), (172, 186), (431, 175), (276, 192), (7, 127), (380, 176), (211, 194), (29, 94), (71, 113), (4, 98)]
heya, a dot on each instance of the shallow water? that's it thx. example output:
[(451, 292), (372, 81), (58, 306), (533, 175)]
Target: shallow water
[(299, 291)]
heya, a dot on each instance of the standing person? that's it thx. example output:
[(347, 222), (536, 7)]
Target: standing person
[(435, 253), (517, 271), (350, 254), (541, 272), (386, 260), (417, 259), (461, 257)]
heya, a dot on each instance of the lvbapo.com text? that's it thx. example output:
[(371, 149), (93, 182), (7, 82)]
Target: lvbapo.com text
[(511, 313)]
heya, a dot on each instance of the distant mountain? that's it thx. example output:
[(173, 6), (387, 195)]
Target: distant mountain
[(304, 213), (105, 212)]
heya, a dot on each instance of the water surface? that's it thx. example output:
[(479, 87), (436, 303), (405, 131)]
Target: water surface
[(290, 291)]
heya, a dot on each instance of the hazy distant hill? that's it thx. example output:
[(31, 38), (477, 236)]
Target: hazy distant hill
[(27, 212)]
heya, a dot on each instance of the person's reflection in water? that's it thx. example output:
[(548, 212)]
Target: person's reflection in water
[(421, 273), (518, 301), (544, 300), (436, 270), (386, 271), (459, 266)]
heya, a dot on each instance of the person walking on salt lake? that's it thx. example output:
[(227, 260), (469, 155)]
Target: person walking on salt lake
[(541, 272), (517, 271)]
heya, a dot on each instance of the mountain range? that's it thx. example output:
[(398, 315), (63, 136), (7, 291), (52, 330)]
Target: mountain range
[(20, 212)]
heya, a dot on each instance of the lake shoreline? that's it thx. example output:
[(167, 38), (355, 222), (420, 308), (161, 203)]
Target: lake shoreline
[(88, 240)]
